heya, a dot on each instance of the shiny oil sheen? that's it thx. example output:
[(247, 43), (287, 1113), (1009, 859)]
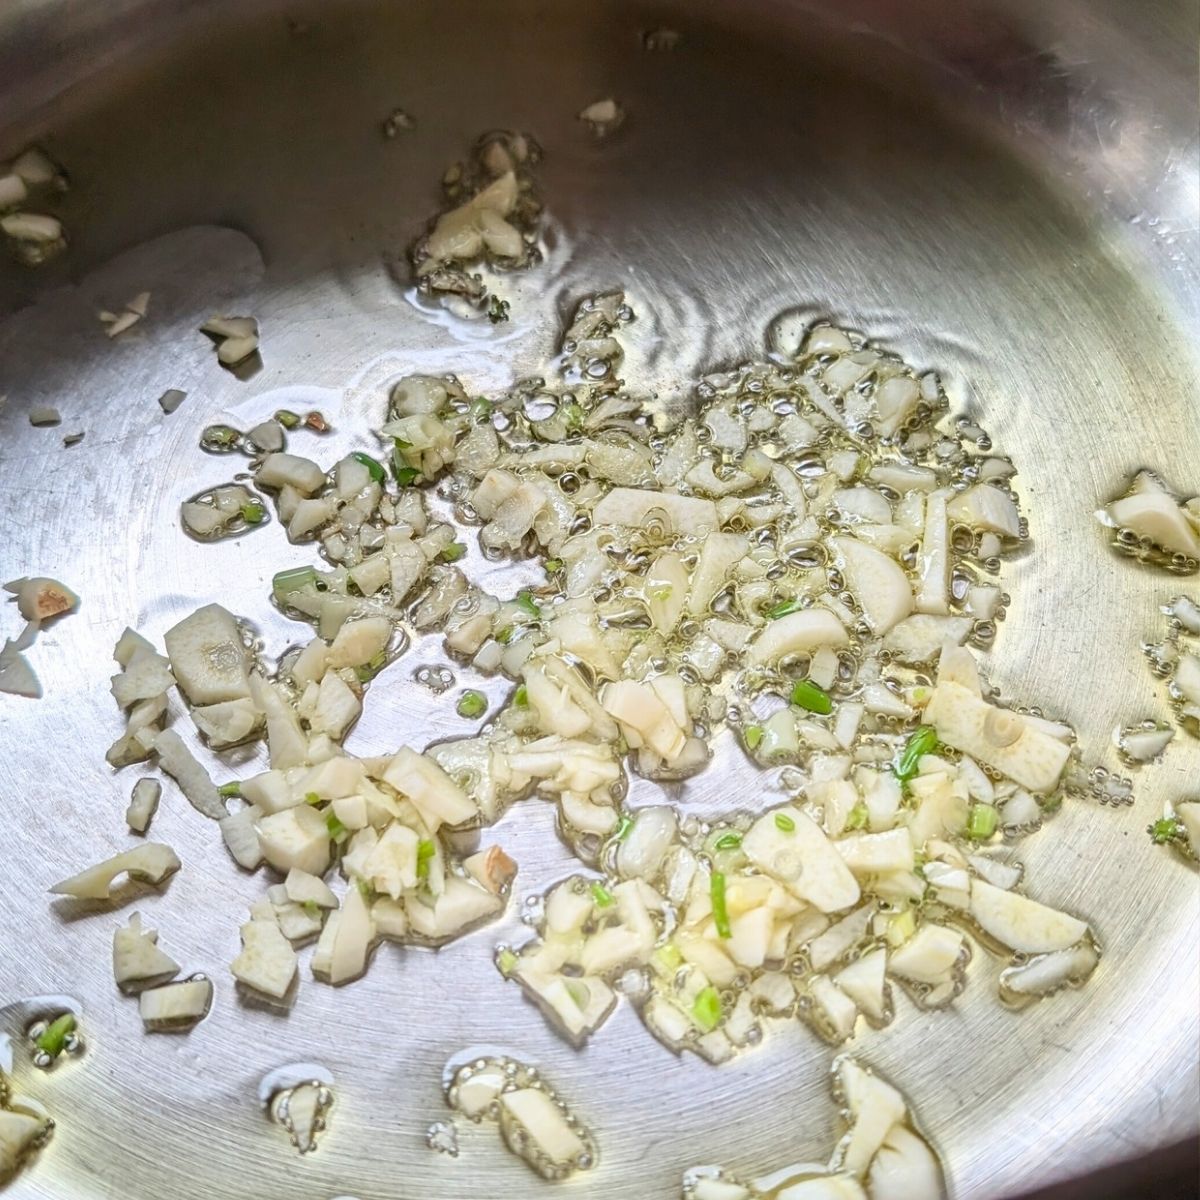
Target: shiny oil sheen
[(1003, 190)]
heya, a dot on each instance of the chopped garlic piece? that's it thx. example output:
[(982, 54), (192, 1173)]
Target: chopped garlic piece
[(634, 508), (797, 633), (151, 861), (541, 1121), (996, 737), (137, 959), (267, 962), (1153, 513), (179, 762), (438, 798), (802, 858), (40, 599), (143, 804), (208, 657), (877, 581), (295, 838), (1022, 924), (176, 1006), (236, 338), (21, 1133)]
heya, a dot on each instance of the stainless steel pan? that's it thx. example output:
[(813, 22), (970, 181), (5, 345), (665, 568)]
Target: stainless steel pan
[(1006, 190)]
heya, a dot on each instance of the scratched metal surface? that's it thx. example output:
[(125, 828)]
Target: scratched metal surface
[(1005, 191)]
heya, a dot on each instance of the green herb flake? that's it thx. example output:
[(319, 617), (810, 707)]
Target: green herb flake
[(706, 1009), (53, 1039), (367, 671), (784, 823), (292, 580), (660, 593), (521, 696), (753, 736), (287, 418), (716, 892), (220, 438), (230, 789), (373, 465), (573, 415), (506, 960), (528, 605), (1166, 829), (981, 822), (337, 830), (405, 473), (553, 565), (601, 896), (311, 909), (809, 695), (471, 704), (579, 992), (784, 608), (667, 959), (728, 841), (312, 798), (253, 513), (481, 407), (623, 828), (858, 818), (453, 552), (505, 635), (922, 741), (425, 851)]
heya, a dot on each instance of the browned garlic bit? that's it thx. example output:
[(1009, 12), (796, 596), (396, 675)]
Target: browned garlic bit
[(38, 600)]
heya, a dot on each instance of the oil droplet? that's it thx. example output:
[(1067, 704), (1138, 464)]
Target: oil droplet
[(442, 1136), (437, 679)]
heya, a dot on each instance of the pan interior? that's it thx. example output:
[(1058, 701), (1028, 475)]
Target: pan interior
[(769, 161)]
